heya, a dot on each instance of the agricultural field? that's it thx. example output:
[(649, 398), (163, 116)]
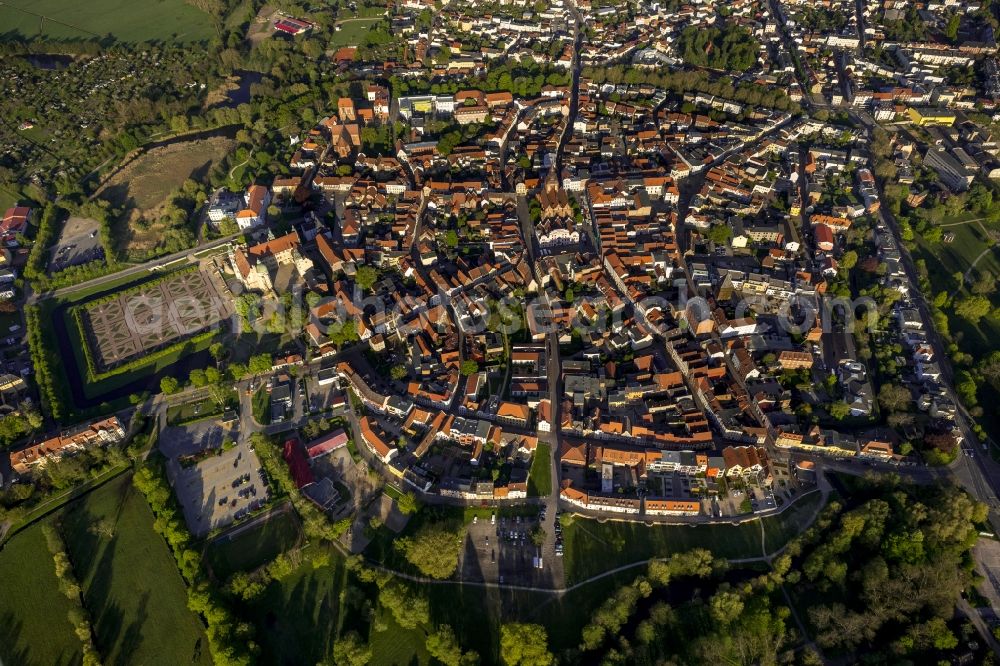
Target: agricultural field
[(168, 20), (143, 187), (34, 627), (131, 585)]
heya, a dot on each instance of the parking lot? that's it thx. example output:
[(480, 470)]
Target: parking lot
[(223, 487), (321, 398), (503, 552), (79, 243), (190, 439)]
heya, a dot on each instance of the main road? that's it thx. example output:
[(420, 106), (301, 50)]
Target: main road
[(133, 271)]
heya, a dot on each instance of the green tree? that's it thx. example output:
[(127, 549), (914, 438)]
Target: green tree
[(973, 308), (444, 646), (839, 410), (469, 367), (351, 650), (720, 233), (434, 549), (260, 364), (523, 644), (849, 260), (951, 28), (366, 277), (894, 398), (197, 377), (725, 606), (409, 609), (169, 385), (218, 351)]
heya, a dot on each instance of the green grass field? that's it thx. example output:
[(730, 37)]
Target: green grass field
[(198, 410), (132, 588), (946, 259), (396, 646), (540, 476), (166, 20), (352, 32), (593, 547), (261, 406), (34, 629), (254, 547), (7, 198), (298, 618)]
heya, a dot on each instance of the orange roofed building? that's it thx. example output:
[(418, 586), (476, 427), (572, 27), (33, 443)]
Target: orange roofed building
[(259, 265), (69, 442), (257, 199)]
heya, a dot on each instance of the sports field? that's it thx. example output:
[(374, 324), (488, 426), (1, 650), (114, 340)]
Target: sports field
[(125, 20), (352, 31)]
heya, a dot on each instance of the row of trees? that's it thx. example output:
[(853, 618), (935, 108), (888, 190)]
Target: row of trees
[(43, 360), (521, 644), (682, 81), (230, 641), (70, 587), (247, 586), (217, 380)]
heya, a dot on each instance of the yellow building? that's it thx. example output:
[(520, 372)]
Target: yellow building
[(930, 116)]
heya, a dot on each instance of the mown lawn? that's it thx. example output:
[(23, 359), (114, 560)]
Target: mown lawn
[(253, 547), (136, 596), (540, 476), (396, 646), (34, 627), (7, 198), (946, 259), (167, 20)]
